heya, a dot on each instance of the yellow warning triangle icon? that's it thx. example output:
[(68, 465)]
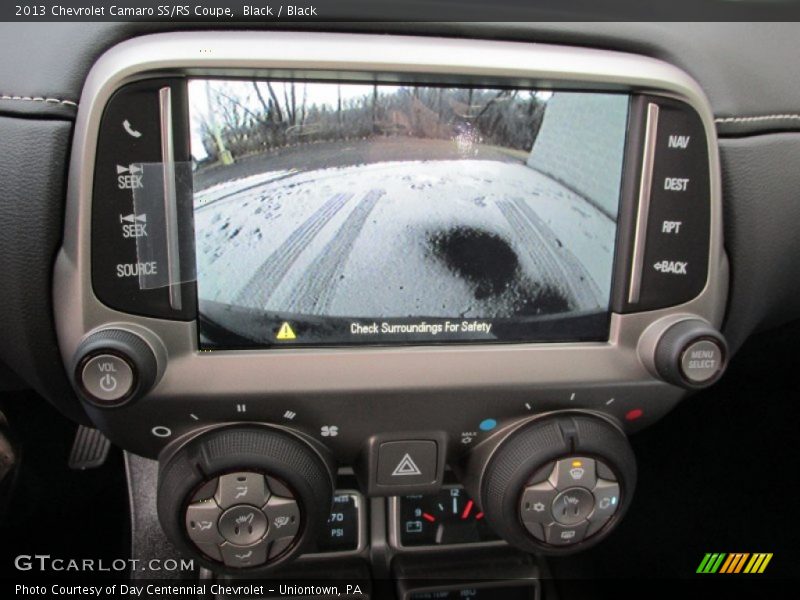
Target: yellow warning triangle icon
[(286, 332)]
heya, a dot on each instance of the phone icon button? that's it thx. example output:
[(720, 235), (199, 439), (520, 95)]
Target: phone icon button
[(126, 125)]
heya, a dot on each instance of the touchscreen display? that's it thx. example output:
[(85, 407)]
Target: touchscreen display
[(350, 214)]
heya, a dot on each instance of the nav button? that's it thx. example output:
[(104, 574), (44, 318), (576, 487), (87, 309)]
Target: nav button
[(107, 378)]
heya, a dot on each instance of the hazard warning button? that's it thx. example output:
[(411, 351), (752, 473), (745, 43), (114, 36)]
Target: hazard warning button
[(407, 463)]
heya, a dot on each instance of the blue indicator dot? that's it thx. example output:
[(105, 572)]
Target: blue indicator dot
[(487, 424)]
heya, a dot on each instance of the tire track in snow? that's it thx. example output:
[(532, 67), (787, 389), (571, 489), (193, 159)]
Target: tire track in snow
[(275, 267), (314, 294), (557, 264)]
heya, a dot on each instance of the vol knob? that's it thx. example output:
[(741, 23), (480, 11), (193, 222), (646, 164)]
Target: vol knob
[(113, 367)]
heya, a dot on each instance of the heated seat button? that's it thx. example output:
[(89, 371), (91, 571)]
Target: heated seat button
[(573, 506), (107, 378), (243, 525)]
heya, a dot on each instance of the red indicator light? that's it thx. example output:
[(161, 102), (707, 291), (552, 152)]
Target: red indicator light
[(429, 518), (467, 510), (479, 516), (634, 414)]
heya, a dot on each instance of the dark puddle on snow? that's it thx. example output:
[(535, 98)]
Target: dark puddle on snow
[(491, 267)]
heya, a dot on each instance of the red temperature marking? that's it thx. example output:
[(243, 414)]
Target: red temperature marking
[(429, 518), (467, 510)]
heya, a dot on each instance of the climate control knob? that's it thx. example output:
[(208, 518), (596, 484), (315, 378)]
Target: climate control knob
[(244, 497), (555, 484)]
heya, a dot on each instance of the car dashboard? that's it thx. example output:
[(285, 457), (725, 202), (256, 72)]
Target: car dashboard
[(394, 306)]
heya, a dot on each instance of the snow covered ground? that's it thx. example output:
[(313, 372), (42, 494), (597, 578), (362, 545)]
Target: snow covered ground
[(381, 240)]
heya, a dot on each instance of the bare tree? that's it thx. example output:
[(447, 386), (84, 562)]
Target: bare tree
[(339, 104), (303, 106), (374, 107), (275, 103)]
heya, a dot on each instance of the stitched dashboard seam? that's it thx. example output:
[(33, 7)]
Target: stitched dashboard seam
[(39, 99), (788, 117)]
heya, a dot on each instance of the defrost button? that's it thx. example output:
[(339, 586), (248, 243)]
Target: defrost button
[(574, 471)]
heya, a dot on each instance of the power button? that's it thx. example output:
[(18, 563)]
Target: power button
[(107, 378)]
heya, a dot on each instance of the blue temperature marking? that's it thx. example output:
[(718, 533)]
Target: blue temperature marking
[(487, 424)]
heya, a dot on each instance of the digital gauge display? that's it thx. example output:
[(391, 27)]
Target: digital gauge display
[(447, 518)]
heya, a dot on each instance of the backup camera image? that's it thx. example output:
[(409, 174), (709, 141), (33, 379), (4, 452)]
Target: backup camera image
[(346, 213)]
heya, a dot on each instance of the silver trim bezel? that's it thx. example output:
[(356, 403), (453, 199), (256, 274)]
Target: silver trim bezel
[(260, 374), (643, 210), (170, 195)]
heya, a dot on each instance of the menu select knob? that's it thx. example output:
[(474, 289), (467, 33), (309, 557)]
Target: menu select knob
[(691, 354), (114, 366)]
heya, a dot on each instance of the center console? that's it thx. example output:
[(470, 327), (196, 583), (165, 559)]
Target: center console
[(449, 276)]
